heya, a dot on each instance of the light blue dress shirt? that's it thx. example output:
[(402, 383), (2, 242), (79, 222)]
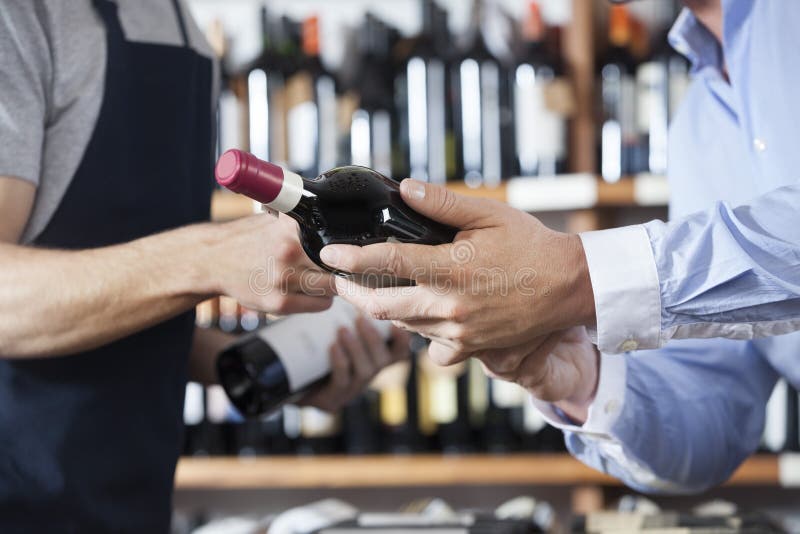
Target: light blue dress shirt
[(687, 414)]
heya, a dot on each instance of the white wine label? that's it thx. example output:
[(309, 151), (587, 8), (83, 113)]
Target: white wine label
[(326, 101), (507, 394), (219, 408), (303, 135), (775, 426), (533, 420), (315, 423), (540, 132), (789, 470), (259, 114), (193, 404), (303, 341)]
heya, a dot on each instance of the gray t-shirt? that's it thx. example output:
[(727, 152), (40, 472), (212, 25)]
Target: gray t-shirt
[(52, 74)]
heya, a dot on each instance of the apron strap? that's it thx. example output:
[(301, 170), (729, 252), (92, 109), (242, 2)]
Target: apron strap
[(108, 12), (181, 22)]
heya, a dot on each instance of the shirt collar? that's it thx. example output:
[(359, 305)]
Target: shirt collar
[(693, 40)]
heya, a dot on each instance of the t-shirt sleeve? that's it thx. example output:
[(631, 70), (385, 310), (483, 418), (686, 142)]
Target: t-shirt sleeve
[(25, 73)]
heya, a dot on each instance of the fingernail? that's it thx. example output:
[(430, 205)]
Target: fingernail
[(329, 255), (414, 189)]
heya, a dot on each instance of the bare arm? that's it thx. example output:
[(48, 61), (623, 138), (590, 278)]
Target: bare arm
[(55, 303)]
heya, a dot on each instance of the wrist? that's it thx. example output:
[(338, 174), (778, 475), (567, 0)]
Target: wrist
[(576, 406), (580, 305), (188, 254)]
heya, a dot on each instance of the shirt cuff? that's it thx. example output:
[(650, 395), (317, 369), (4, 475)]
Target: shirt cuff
[(627, 295), (606, 406)]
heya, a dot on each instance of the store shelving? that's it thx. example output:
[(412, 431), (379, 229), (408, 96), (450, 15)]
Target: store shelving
[(559, 193), (290, 472)]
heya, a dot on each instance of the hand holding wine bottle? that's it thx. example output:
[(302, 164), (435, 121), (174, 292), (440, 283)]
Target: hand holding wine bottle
[(355, 358), (561, 368), (265, 268), (505, 281), (351, 204)]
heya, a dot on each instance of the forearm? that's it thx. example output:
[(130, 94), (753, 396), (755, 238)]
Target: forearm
[(681, 420), (728, 272), (206, 346), (57, 303)]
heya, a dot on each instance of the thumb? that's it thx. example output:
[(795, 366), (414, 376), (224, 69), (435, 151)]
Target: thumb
[(444, 206)]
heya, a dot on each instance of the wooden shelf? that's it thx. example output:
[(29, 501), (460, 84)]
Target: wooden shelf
[(227, 205), (574, 192), (292, 472), (557, 193)]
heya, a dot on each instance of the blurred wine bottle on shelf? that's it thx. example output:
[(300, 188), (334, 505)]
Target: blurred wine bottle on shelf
[(661, 82), (541, 101), (320, 432), (266, 88), (424, 102), (311, 109), (618, 137), (781, 433), (361, 424), (396, 391), (483, 114), (444, 399), (504, 417), (372, 120)]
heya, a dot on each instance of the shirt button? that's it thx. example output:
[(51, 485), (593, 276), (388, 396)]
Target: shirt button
[(629, 345), (612, 407), (759, 144)]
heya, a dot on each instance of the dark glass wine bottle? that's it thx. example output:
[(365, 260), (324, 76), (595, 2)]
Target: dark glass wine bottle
[(373, 120), (540, 131), (284, 360), (483, 115), (424, 112), (618, 136), (350, 205), (311, 109)]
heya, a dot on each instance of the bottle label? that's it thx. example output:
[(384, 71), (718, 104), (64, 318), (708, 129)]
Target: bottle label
[(303, 341), (541, 133)]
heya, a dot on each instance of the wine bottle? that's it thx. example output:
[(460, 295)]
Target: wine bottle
[(483, 108), (265, 94), (504, 417), (371, 123), (398, 426), (446, 401), (541, 132), (618, 139), (311, 117), (193, 417), (423, 80), (320, 432), (350, 205), (792, 443), (284, 360), (775, 437), (361, 424)]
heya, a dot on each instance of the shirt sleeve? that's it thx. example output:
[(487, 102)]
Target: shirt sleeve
[(731, 272), (25, 69), (690, 413)]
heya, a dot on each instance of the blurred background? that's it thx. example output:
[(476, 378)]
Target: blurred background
[(558, 107)]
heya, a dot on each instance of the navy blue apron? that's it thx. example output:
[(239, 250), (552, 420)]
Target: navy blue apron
[(89, 442)]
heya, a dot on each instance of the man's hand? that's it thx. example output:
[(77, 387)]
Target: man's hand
[(505, 281), (356, 357), (259, 261), (562, 368)]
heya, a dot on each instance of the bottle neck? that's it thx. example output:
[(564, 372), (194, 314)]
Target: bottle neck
[(275, 187)]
